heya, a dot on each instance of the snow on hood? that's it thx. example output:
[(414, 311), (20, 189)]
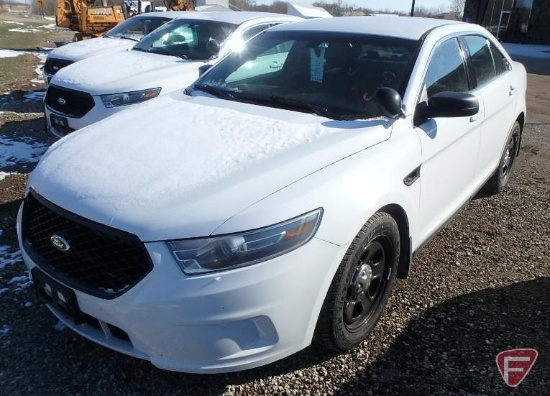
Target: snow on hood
[(127, 71), (87, 48), (172, 169)]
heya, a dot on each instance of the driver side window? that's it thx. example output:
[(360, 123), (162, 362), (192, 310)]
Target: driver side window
[(446, 70)]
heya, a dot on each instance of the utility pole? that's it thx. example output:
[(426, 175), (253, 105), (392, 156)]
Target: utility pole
[(412, 8)]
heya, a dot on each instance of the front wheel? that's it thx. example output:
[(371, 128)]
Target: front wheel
[(361, 287), (499, 179)]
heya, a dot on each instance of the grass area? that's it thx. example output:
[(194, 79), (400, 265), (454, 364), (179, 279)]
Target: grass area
[(35, 34), (14, 71)]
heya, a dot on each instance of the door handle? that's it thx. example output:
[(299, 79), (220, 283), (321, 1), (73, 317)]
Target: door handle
[(512, 90)]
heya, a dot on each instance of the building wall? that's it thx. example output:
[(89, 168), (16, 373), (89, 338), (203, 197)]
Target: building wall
[(529, 20)]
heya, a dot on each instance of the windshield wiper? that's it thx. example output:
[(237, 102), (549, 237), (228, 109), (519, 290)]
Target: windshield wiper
[(123, 37), (216, 91), (290, 104)]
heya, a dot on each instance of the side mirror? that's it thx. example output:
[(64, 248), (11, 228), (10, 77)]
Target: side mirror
[(450, 104), (389, 102), (204, 68)]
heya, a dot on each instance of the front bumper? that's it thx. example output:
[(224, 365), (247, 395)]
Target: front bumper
[(226, 321), (97, 113)]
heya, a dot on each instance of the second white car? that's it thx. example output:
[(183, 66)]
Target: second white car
[(165, 61)]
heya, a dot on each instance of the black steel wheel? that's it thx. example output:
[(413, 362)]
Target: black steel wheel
[(361, 287), (499, 179)]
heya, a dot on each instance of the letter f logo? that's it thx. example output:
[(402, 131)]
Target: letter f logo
[(515, 364)]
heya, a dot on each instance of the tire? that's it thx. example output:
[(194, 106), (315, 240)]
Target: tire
[(499, 179), (360, 289)]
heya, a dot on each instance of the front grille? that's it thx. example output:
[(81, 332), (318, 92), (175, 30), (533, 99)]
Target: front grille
[(101, 260), (52, 66), (68, 102)]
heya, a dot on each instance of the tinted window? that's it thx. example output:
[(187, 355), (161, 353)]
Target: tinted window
[(482, 58), (501, 63), (137, 27), (189, 39), (312, 71), (254, 30), (446, 71)]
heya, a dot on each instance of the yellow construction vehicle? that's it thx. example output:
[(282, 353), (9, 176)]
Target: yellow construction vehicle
[(180, 5), (89, 18)]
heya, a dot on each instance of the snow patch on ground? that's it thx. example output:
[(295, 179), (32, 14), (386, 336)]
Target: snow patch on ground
[(3, 175), (18, 152), (26, 30), (34, 96), (6, 53), (4, 330), (9, 258), (59, 326), (13, 23), (20, 282)]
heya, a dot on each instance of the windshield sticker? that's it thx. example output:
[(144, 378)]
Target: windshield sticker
[(317, 64)]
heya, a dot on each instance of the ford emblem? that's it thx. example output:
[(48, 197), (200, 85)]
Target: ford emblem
[(61, 101), (60, 243)]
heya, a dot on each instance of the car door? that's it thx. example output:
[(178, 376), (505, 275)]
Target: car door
[(493, 79), (449, 145)]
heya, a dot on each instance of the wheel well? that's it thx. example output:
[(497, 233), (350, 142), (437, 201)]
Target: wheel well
[(402, 221)]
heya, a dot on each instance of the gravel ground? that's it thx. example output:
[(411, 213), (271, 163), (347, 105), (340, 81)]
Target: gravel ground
[(479, 287)]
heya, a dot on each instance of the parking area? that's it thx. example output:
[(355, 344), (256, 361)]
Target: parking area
[(478, 288)]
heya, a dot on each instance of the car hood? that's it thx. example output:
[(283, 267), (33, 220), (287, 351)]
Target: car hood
[(128, 71), (80, 50), (173, 168)]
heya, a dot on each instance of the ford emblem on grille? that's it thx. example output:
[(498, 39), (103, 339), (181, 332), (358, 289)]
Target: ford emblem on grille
[(60, 243), (56, 68), (61, 101)]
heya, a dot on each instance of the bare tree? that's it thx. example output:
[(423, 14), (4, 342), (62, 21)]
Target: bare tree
[(457, 8)]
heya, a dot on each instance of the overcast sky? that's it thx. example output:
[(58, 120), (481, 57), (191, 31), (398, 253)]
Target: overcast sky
[(398, 5)]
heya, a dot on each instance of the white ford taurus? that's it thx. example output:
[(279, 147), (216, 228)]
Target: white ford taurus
[(276, 202), (165, 61)]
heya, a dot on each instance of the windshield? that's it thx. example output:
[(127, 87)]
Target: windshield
[(187, 38), (137, 27), (332, 74)]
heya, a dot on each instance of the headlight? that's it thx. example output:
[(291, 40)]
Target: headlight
[(202, 255), (128, 98)]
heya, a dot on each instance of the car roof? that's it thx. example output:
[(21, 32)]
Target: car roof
[(412, 28), (234, 17), (161, 14)]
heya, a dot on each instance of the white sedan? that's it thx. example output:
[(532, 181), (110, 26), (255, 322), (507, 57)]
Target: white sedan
[(165, 61), (276, 203), (120, 38)]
